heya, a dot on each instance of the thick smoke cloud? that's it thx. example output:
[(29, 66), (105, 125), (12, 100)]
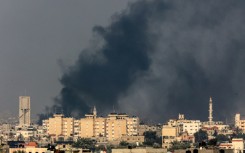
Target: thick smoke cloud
[(160, 58)]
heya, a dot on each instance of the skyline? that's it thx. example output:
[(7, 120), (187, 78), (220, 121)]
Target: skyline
[(166, 57)]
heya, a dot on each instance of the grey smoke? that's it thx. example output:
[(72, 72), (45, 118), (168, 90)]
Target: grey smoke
[(160, 58)]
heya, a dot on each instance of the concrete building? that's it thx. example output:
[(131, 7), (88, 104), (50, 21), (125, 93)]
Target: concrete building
[(24, 111), (77, 129), (87, 126), (132, 126), (91, 126), (237, 145), (30, 147), (116, 126), (184, 125), (169, 135), (112, 127), (154, 128), (191, 126), (99, 127), (239, 123), (59, 126)]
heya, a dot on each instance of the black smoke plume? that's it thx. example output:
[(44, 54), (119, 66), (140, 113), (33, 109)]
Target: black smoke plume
[(160, 58)]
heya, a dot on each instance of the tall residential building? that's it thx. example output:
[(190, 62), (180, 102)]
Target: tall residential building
[(111, 128), (132, 126), (59, 126), (116, 126), (87, 125), (99, 127), (24, 111)]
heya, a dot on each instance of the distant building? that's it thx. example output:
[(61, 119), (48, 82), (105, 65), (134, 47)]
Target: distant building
[(169, 135), (116, 126), (59, 126), (30, 147), (240, 124), (184, 125), (112, 127), (24, 111), (153, 128), (236, 144)]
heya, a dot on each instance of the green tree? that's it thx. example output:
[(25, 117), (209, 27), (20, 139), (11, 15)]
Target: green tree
[(212, 142), (124, 143), (151, 138), (222, 138), (201, 136), (20, 137), (84, 143), (179, 145), (239, 135)]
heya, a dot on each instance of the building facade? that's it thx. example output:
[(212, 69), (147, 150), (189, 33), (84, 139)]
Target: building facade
[(240, 124), (169, 135), (112, 127), (24, 111), (59, 126)]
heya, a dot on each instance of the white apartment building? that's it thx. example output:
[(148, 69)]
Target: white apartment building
[(184, 125), (191, 127)]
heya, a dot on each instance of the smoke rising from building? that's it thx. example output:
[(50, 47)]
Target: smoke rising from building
[(160, 58)]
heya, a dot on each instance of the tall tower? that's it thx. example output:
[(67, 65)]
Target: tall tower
[(210, 111), (94, 111), (24, 111)]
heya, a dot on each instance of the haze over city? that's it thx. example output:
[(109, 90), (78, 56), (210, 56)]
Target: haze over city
[(153, 59)]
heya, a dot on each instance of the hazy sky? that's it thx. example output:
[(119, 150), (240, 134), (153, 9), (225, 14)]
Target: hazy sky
[(35, 36)]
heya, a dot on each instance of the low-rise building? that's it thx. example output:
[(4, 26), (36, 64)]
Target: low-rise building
[(237, 145)]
